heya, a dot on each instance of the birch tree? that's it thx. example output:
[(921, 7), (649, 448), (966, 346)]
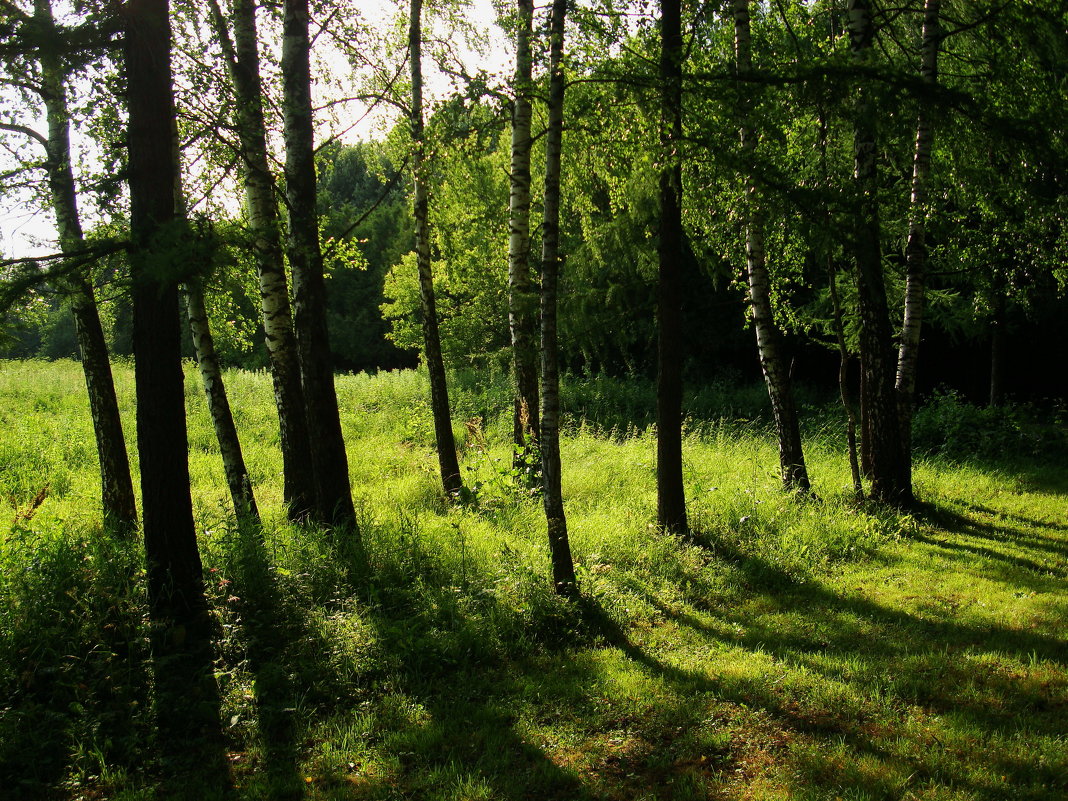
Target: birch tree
[(552, 496), (329, 461), (50, 84), (522, 301), (242, 56), (769, 345), (916, 247), (439, 393)]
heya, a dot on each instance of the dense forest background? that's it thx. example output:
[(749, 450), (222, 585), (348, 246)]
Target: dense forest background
[(995, 230)]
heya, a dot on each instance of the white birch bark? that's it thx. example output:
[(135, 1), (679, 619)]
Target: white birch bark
[(117, 494), (916, 247), (522, 302), (769, 341), (243, 65)]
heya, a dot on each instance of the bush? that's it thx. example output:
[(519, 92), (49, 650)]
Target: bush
[(949, 426)]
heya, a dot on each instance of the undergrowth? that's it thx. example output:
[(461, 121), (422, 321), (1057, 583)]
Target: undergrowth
[(788, 649)]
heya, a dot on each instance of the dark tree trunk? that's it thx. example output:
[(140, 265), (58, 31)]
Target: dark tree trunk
[(330, 463), (243, 63), (880, 428), (552, 496), (671, 498), (187, 701), (439, 391), (849, 401), (997, 350), (522, 299), (117, 494), (845, 393), (769, 341), (916, 248)]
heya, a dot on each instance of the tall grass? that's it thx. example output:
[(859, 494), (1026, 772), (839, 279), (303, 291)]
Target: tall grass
[(810, 649)]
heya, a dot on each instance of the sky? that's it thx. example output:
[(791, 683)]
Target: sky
[(26, 229)]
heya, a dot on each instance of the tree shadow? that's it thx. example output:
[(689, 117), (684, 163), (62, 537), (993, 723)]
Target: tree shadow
[(268, 636), (189, 739), (907, 660), (943, 516)]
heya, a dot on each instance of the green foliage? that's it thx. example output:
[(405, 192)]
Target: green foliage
[(949, 426)]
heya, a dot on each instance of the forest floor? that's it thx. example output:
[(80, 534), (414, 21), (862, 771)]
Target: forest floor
[(813, 649)]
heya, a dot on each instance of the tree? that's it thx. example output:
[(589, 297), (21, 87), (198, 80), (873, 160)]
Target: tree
[(881, 449), (916, 247), (222, 417), (117, 496), (243, 65), (439, 394), (522, 300), (549, 441), (776, 373), (671, 498), (181, 640), (331, 470)]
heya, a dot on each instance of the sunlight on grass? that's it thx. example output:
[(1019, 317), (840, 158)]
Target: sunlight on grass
[(794, 650)]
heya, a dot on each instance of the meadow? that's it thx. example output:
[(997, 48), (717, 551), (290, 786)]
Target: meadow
[(819, 649)]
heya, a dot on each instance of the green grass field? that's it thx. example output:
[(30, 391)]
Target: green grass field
[(798, 650)]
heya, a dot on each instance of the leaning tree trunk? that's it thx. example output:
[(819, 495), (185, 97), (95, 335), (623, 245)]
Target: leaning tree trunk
[(186, 694), (880, 429), (117, 494), (439, 392), (671, 497), (552, 496), (243, 63), (522, 300), (222, 417), (769, 341), (330, 463), (916, 248)]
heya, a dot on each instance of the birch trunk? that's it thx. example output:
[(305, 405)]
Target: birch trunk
[(671, 498), (552, 496), (116, 486), (222, 418), (243, 63), (329, 461), (439, 391), (769, 341), (880, 428), (522, 300), (916, 247)]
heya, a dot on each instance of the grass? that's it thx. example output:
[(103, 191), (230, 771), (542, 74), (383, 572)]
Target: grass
[(814, 650)]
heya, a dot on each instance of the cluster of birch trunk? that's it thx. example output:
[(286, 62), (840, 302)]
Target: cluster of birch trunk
[(316, 478)]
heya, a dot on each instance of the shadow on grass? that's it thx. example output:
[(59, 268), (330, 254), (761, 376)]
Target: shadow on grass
[(268, 635), (189, 739), (862, 647), (75, 660)]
